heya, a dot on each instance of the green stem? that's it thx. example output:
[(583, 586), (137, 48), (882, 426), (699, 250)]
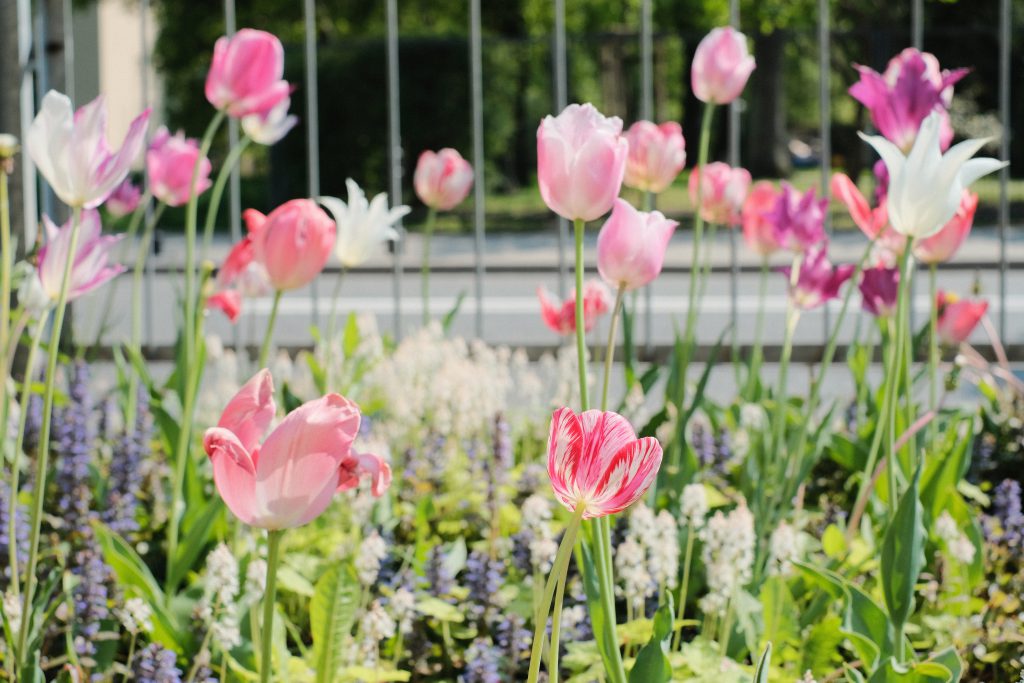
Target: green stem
[(136, 339), (933, 351), (428, 232), (556, 626), (332, 324), (609, 353), (269, 334), (757, 354), (792, 317), (6, 264), (581, 339), (43, 456), (217, 192), (908, 357), (267, 629), (129, 239), (685, 588), (606, 578), (896, 374), (698, 225)]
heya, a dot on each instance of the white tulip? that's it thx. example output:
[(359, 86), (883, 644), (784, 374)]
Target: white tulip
[(362, 225)]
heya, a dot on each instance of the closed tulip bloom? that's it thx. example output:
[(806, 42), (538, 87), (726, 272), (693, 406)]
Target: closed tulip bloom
[(758, 230), (631, 246), (596, 461), (944, 244), (879, 288), (70, 149), (818, 281), (363, 226), (289, 479), (247, 74), (268, 128), (722, 192), (581, 161), (958, 317), (721, 66), (170, 162), (124, 199), (927, 186), (657, 153), (560, 317), (442, 179), (293, 242), (799, 219)]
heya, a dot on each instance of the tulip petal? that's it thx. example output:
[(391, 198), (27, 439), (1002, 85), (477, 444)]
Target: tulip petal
[(249, 412), (565, 450), (604, 434), (233, 472), (626, 477)]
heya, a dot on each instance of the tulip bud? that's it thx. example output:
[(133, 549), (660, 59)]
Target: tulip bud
[(631, 246), (721, 66)]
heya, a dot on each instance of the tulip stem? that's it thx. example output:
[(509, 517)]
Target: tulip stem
[(269, 334), (609, 354), (895, 374), (757, 354), (43, 454), (933, 350), (332, 325), (136, 340), (691, 532), (267, 627), (428, 232), (698, 231), (218, 191), (581, 341), (6, 265)]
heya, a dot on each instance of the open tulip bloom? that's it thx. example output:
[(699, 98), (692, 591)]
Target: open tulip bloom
[(363, 226)]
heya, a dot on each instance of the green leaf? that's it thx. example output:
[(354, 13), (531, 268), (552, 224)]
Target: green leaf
[(367, 675), (951, 660), (197, 536), (439, 609), (652, 662), (903, 554), (779, 610), (922, 672), (449, 317), (763, 666), (332, 611), (833, 542), (350, 338)]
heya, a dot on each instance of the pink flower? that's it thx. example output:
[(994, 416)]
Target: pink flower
[(798, 219), (291, 478), (246, 76), (631, 246), (723, 190), (721, 66), (958, 317), (358, 465), (879, 288), (656, 155), (873, 222), (561, 317), (124, 199), (228, 301), (70, 149), (241, 275), (758, 230), (293, 243), (170, 162), (442, 179), (911, 88), (581, 161), (818, 280), (944, 244), (89, 268), (596, 461)]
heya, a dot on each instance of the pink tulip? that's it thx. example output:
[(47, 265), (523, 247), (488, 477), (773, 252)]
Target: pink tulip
[(561, 317), (241, 275), (442, 179), (581, 161), (944, 244), (228, 301), (879, 288), (818, 281), (873, 222), (291, 478), (170, 162), (70, 149), (596, 462), (958, 317), (721, 66), (723, 190), (631, 246), (124, 199), (799, 219), (758, 230), (246, 76), (293, 243), (911, 88), (656, 155)]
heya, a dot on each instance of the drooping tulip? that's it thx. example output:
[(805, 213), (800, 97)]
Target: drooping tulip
[(944, 244), (289, 479), (818, 281), (799, 219), (293, 242), (170, 163), (268, 128), (71, 151), (124, 199), (581, 161), (958, 317), (657, 153), (873, 222), (722, 192), (246, 75), (442, 179), (879, 288), (631, 246), (758, 230), (561, 317), (363, 226), (596, 461), (926, 186), (240, 276), (721, 66)]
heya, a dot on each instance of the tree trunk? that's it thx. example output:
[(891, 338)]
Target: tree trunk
[(768, 154)]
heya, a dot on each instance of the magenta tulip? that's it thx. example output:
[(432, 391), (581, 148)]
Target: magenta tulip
[(656, 155), (958, 317), (293, 243), (246, 75), (442, 179), (631, 246), (170, 162), (944, 244), (818, 281), (799, 219), (879, 288), (124, 199), (561, 317), (291, 478), (596, 462), (723, 190), (758, 230), (721, 66), (581, 161)]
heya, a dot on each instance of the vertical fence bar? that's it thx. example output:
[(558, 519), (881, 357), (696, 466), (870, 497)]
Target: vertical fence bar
[(40, 31), (647, 113), (917, 23), (395, 156), (825, 129), (476, 64), (1005, 37), (561, 100), (312, 125), (733, 153), (68, 24), (144, 84), (26, 97), (235, 179)]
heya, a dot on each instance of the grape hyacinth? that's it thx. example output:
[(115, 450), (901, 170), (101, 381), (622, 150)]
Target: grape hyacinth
[(125, 488), (75, 443), (514, 639), (91, 597), (21, 532), (483, 663), (484, 580), (155, 664), (439, 578), (1006, 504)]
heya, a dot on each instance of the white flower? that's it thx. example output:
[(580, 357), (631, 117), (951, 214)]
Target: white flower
[(376, 623), (542, 553), (631, 569), (362, 225), (784, 546), (694, 505), (728, 556), (926, 186), (270, 128), (962, 549), (12, 610), (136, 616), (946, 528), (226, 633), (664, 554), (256, 577), (402, 604), (372, 551), (222, 575)]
